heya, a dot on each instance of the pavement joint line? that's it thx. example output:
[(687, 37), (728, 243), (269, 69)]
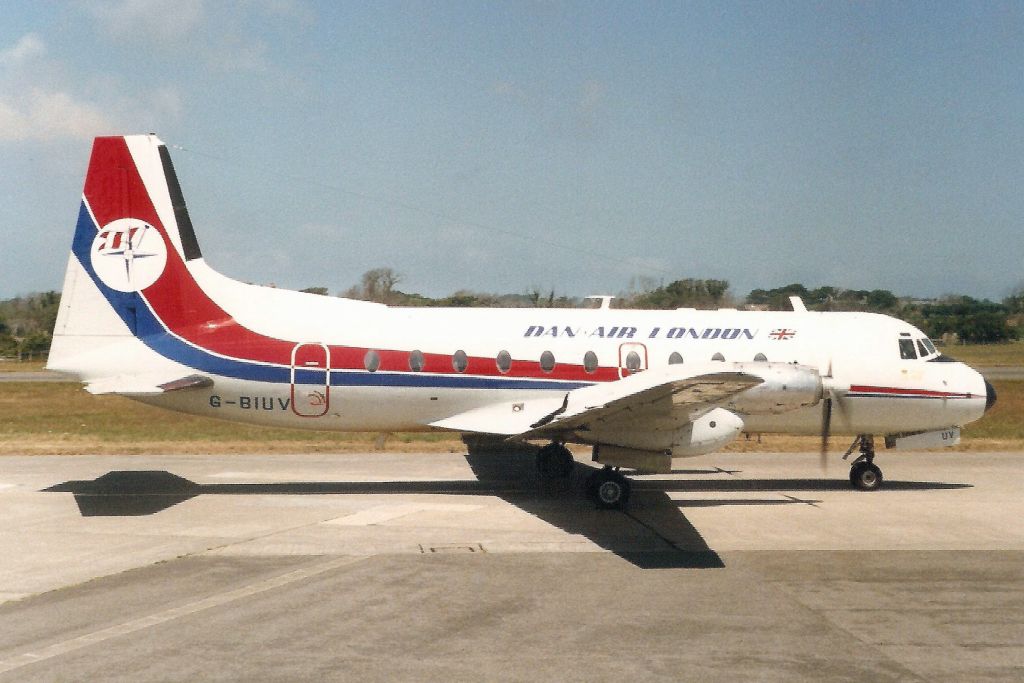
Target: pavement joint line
[(812, 503), (908, 672), (150, 620)]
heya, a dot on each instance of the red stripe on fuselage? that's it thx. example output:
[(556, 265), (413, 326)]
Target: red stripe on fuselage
[(923, 393)]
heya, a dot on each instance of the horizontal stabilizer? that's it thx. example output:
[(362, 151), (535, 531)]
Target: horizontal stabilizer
[(134, 385)]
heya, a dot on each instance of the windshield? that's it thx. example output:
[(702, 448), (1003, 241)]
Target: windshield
[(907, 351)]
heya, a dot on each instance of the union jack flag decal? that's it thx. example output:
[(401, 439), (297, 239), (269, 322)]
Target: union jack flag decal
[(782, 334)]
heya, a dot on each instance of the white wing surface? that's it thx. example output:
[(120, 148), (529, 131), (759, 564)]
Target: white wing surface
[(673, 393)]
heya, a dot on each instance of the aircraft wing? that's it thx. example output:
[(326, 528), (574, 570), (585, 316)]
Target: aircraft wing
[(671, 393), (134, 385)]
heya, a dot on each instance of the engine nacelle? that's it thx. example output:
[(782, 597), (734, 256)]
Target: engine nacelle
[(786, 387), (707, 434), (647, 452)]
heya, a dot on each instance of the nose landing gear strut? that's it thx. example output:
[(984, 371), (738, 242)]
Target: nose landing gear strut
[(865, 475)]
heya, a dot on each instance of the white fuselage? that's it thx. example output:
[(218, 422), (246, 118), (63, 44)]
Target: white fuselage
[(880, 391)]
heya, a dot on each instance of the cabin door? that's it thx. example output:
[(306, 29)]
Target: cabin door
[(311, 380), (632, 358)]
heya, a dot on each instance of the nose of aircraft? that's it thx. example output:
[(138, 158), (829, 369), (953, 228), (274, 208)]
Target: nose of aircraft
[(990, 396)]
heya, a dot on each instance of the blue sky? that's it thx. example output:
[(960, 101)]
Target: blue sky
[(500, 147)]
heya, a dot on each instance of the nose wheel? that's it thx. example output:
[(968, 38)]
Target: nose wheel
[(865, 475)]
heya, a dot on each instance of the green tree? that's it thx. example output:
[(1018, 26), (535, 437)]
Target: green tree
[(778, 298), (685, 293), (1015, 302), (971, 320), (377, 285), (881, 300)]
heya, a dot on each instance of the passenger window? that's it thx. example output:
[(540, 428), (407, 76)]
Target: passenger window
[(590, 362), (371, 361), (459, 361), (633, 361), (760, 358), (675, 359), (718, 357), (547, 361), (504, 362), (907, 351), (416, 361)]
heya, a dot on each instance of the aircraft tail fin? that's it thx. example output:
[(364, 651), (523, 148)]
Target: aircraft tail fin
[(128, 276)]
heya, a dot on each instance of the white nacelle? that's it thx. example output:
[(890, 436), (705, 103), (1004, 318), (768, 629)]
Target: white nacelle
[(786, 387), (704, 435), (641, 451), (707, 434)]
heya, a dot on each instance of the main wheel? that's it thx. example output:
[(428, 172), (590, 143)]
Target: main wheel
[(865, 476), (609, 489), (554, 461)]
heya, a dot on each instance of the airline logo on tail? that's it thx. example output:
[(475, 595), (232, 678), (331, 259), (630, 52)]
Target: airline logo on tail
[(128, 254)]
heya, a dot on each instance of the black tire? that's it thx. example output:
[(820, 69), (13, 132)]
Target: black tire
[(866, 476), (609, 489), (554, 461)]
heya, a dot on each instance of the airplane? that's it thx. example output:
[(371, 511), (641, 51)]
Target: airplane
[(142, 315)]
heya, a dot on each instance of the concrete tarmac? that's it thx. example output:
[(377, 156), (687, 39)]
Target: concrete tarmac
[(385, 567)]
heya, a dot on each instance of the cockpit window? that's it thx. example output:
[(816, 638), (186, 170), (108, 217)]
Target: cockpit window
[(921, 348), (928, 345), (907, 351)]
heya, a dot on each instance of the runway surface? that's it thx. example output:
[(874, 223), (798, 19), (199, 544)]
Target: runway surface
[(434, 566)]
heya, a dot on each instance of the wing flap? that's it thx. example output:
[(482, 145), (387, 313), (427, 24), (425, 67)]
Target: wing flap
[(507, 418)]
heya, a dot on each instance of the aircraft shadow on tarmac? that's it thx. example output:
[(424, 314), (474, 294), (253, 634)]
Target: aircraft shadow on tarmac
[(653, 532)]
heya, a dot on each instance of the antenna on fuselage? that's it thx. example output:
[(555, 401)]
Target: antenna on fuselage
[(605, 299)]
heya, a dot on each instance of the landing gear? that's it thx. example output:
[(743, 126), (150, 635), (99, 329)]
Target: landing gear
[(554, 461), (864, 473), (609, 489), (865, 476)]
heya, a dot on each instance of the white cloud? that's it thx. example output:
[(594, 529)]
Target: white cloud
[(47, 116), (29, 47), (41, 101)]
